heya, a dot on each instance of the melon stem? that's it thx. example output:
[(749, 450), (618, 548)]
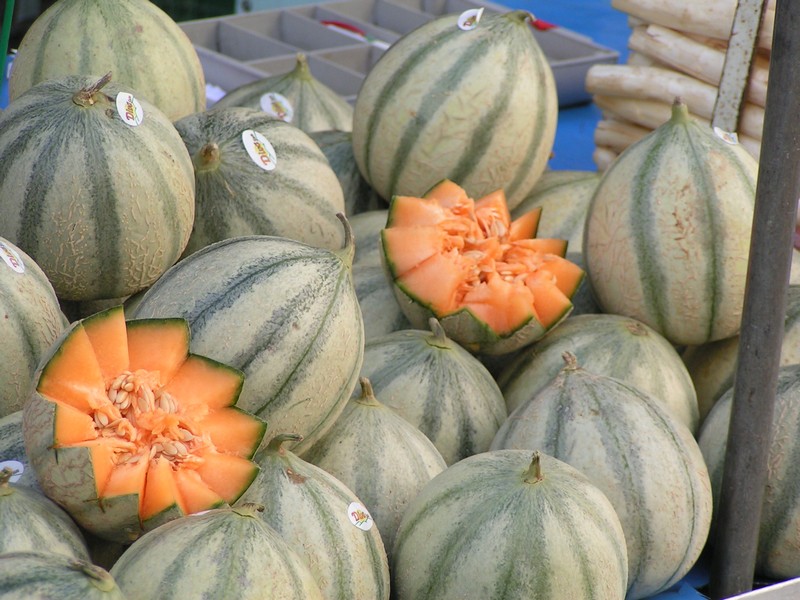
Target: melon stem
[(348, 251), (86, 96), (439, 338), (207, 158), (301, 70), (100, 578), (367, 394), (534, 472), (5, 478), (276, 444)]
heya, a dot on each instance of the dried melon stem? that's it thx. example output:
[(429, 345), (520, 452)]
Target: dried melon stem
[(148, 422)]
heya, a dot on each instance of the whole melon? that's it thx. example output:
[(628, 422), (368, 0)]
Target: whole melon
[(294, 96), (30, 320), (222, 553), (667, 235), (49, 575), (96, 186), (134, 39), (646, 462), (473, 103), (294, 194), (510, 524)]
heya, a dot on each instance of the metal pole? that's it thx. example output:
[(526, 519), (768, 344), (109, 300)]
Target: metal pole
[(749, 436)]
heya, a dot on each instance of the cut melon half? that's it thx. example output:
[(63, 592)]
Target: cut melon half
[(127, 429), (492, 284)]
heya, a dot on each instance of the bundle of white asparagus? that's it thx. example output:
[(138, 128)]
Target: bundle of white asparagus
[(676, 49)]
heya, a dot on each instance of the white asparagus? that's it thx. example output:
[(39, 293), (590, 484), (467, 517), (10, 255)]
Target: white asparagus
[(713, 18), (687, 55), (652, 113), (603, 157), (664, 85), (617, 134)]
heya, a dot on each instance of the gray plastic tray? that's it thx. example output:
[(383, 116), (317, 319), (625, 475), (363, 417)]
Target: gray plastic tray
[(246, 46)]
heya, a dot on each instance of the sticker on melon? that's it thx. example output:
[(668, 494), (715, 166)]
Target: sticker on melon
[(127, 429), (492, 284)]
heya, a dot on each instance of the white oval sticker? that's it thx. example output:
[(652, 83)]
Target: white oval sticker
[(260, 150), (12, 258), (17, 467), (129, 109), (277, 106), (359, 516), (468, 20), (726, 136)]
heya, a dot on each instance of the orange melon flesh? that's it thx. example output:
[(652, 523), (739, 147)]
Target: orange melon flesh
[(195, 494), (73, 375), (158, 422), (474, 256), (107, 334), (525, 226), (160, 491), (158, 345), (222, 385)]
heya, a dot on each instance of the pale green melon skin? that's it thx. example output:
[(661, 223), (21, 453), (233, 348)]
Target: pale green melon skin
[(359, 197), (479, 530), (315, 106), (712, 366), (51, 575), (647, 463), (777, 555), (477, 107), (225, 554), (32, 321), (284, 313), (667, 235), (12, 450), (439, 387), (31, 522), (134, 39), (379, 307), (308, 507), (379, 455), (610, 345), (102, 207), (298, 199)]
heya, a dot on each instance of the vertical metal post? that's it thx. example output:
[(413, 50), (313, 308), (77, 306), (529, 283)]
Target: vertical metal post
[(749, 436)]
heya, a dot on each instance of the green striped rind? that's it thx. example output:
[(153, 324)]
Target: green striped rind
[(646, 462), (712, 366), (379, 308), (308, 507), (284, 313), (50, 575), (12, 450), (477, 107), (226, 554), (667, 235), (315, 106), (379, 455), (31, 522), (359, 196), (134, 39), (32, 320), (298, 199), (437, 386), (484, 529), (103, 208), (610, 345), (778, 550), (564, 198)]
